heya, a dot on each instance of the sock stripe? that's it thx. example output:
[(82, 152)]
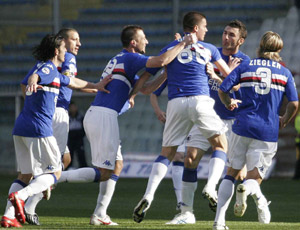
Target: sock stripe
[(55, 179), (97, 176), (178, 163), (219, 154), (227, 177), (114, 177), (189, 175), (20, 182), (163, 160)]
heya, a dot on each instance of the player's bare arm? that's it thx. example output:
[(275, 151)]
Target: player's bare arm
[(290, 112), (76, 83), (211, 72), (151, 86), (165, 58), (229, 102)]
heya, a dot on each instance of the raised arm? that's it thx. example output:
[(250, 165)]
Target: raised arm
[(165, 58), (76, 83), (151, 86)]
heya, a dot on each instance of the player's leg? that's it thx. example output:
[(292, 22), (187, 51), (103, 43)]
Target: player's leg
[(9, 219), (216, 168), (189, 186), (260, 155), (177, 171), (105, 195)]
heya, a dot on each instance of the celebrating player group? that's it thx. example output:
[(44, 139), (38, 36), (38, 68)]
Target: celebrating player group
[(218, 98)]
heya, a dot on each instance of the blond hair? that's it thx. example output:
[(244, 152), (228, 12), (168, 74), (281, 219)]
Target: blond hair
[(270, 46)]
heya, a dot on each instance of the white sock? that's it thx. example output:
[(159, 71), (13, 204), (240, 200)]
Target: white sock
[(226, 191), (38, 185), (10, 210), (215, 170), (177, 171), (106, 191), (81, 175), (253, 189), (158, 172), (32, 202), (188, 191)]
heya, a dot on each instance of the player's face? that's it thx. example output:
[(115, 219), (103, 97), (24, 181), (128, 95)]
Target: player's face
[(73, 42), (201, 29), (141, 42), (231, 38), (61, 52)]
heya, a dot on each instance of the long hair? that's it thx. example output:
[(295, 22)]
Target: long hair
[(191, 19), (128, 34), (270, 46), (46, 49)]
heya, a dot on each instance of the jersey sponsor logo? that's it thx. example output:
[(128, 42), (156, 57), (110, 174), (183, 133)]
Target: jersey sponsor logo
[(214, 85), (46, 70)]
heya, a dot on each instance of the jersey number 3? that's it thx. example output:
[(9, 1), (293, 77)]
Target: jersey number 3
[(265, 84)]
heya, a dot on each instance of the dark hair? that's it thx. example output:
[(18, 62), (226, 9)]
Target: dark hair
[(64, 32), (191, 19), (239, 25), (128, 34), (46, 49)]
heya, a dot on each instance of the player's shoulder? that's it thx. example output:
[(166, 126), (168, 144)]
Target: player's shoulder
[(70, 58), (207, 45)]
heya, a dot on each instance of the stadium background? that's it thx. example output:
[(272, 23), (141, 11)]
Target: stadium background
[(24, 22)]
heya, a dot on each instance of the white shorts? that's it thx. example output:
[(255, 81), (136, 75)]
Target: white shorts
[(119, 154), (184, 112), (102, 130), (37, 156), (254, 153), (60, 125), (195, 139)]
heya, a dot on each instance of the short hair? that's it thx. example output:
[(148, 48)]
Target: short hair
[(239, 25), (270, 46), (128, 34), (64, 32), (191, 19), (46, 49)]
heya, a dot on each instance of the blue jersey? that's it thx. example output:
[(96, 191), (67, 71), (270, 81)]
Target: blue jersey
[(187, 72), (35, 120), (214, 87), (69, 69), (263, 85), (124, 67)]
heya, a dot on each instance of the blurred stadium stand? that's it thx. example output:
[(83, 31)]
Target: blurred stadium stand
[(24, 22)]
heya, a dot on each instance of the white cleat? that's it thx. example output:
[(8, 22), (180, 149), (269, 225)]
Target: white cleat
[(217, 226), (263, 211), (211, 195), (240, 205), (183, 218), (95, 220)]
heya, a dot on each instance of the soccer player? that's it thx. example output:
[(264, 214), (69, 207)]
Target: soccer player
[(60, 122), (189, 104), (233, 37), (37, 152), (264, 82), (177, 164), (100, 122)]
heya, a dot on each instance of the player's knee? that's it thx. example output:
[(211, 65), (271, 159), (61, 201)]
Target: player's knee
[(118, 167), (105, 174), (66, 160), (25, 178)]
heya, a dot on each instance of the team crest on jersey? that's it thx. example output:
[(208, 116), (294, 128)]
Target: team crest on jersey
[(45, 70)]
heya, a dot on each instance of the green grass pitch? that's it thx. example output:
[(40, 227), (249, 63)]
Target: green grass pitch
[(71, 206)]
